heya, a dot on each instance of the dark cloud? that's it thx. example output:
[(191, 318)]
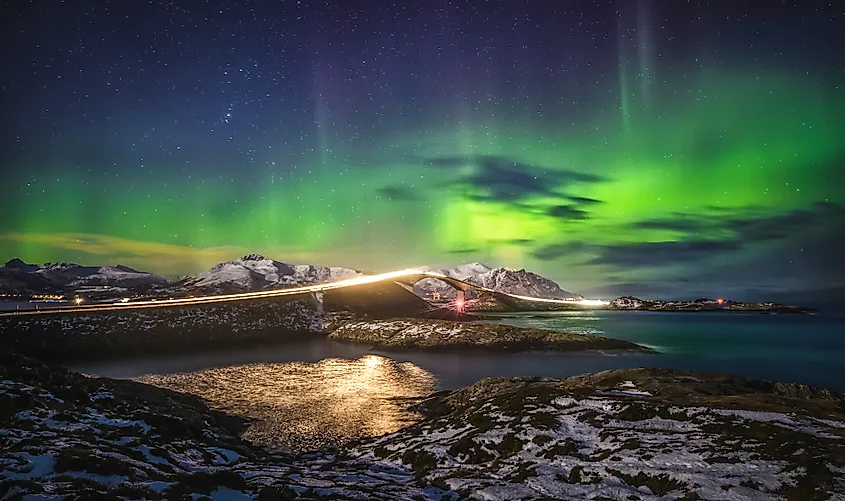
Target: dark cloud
[(685, 223), (464, 251), (399, 193), (801, 243), (752, 254), (568, 212), (749, 225), (505, 180), (584, 200), (447, 161), (645, 254), (520, 241), (780, 226), (553, 251), (638, 289)]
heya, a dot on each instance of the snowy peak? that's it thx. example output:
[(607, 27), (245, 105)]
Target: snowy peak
[(18, 276), (251, 272), (256, 272), (316, 274), (464, 271), (627, 303), (254, 257), (122, 276), (17, 264), (517, 282), (521, 283)]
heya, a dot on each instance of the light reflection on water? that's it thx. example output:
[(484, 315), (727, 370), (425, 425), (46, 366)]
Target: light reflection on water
[(303, 406), (320, 392)]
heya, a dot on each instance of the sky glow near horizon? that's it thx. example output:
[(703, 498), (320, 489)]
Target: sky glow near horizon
[(634, 147)]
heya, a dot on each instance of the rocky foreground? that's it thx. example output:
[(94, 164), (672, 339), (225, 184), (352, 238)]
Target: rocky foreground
[(446, 335), (638, 434)]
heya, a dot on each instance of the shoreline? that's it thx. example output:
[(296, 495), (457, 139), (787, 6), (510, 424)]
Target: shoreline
[(440, 335)]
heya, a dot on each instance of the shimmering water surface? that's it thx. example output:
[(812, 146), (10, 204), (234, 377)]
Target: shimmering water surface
[(301, 406), (317, 392)]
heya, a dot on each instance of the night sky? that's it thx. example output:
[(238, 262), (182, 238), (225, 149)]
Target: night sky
[(662, 148)]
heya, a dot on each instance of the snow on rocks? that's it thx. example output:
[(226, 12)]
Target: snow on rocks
[(683, 436), (443, 334), (151, 443), (568, 440)]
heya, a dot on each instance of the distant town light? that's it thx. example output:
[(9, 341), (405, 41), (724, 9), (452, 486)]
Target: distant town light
[(720, 301), (78, 300)]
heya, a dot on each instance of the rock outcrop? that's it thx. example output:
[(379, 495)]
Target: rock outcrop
[(449, 335), (74, 335)]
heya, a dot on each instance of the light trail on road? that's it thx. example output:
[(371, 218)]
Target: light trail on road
[(414, 274)]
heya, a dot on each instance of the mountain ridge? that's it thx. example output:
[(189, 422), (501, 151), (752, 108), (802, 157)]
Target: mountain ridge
[(18, 277), (254, 272), (518, 282)]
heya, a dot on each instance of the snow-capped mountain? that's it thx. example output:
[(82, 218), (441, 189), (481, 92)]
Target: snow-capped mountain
[(256, 272), (310, 274), (74, 275), (627, 303), (518, 282), (17, 276)]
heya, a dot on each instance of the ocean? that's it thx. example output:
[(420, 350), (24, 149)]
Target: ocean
[(806, 349)]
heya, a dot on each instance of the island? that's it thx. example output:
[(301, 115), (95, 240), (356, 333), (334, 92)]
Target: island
[(428, 334), (632, 303), (616, 435)]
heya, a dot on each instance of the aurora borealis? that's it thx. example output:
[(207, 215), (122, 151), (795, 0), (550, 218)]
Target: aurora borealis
[(648, 147)]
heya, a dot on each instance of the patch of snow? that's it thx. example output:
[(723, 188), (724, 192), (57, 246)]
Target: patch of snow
[(150, 457), (227, 494), (107, 480), (34, 467), (102, 394), (158, 486), (96, 417), (625, 393), (224, 456), (778, 419)]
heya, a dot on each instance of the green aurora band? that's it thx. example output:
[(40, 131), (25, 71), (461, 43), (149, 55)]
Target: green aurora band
[(760, 141)]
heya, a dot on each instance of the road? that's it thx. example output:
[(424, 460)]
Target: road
[(408, 276)]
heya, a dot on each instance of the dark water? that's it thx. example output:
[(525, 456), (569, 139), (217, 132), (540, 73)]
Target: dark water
[(796, 348), (318, 392)]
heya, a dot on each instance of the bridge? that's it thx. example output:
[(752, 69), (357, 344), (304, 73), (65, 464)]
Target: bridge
[(403, 278)]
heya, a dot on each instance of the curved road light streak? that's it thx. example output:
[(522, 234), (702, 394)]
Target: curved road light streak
[(368, 279)]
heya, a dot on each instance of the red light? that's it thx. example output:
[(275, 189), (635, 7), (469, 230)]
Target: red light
[(459, 305), (720, 301)]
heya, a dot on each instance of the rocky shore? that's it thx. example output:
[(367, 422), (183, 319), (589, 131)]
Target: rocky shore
[(77, 335), (634, 434), (446, 335)]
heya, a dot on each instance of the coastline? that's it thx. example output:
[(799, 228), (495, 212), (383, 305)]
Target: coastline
[(439, 335)]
